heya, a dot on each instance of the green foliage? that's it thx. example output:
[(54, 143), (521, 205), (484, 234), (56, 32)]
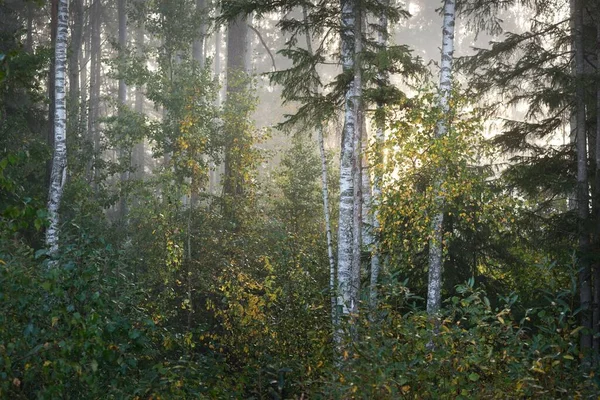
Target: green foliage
[(479, 351)]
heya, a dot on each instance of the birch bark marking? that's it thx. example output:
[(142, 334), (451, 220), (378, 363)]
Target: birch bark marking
[(324, 189), (434, 287), (59, 160), (383, 78), (345, 302), (582, 178)]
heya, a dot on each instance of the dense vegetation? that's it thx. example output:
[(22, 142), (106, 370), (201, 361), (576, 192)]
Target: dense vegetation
[(194, 256)]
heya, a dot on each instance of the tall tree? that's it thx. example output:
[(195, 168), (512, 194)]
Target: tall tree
[(122, 16), (596, 278), (435, 243), (237, 81), (95, 24), (58, 175), (74, 54), (324, 184), (582, 193), (383, 78), (347, 303)]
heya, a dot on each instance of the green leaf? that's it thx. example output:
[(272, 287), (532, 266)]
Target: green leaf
[(474, 377)]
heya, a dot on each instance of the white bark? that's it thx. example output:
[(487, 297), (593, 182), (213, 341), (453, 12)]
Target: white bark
[(59, 160), (345, 302), (324, 194), (435, 243), (382, 38)]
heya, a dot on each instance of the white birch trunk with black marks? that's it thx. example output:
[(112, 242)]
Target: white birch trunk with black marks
[(58, 175), (345, 302), (434, 287)]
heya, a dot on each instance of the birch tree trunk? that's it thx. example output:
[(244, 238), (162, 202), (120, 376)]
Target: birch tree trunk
[(435, 243), (51, 86), (346, 303), (58, 175), (324, 191), (383, 77)]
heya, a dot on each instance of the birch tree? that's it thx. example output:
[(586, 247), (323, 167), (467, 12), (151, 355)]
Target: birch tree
[(346, 300), (435, 243), (59, 160), (324, 187)]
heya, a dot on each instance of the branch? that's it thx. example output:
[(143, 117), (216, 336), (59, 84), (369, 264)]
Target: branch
[(262, 41)]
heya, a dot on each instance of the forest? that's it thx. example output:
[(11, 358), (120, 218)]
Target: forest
[(299, 199)]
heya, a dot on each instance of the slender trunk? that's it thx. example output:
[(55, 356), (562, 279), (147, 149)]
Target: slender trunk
[(324, 191), (51, 86), (346, 303), (596, 314), (237, 49), (139, 151), (435, 243), (585, 296), (199, 43), (58, 175), (383, 78), (95, 81), (216, 170), (357, 210), (84, 57), (29, 37), (122, 15), (74, 56)]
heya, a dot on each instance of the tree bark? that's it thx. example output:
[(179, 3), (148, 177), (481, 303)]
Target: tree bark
[(383, 78), (596, 313), (199, 43), (357, 165), (324, 190), (51, 86), (435, 243), (74, 56), (122, 15), (139, 148), (95, 82), (59, 160), (585, 295), (346, 303), (237, 49)]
